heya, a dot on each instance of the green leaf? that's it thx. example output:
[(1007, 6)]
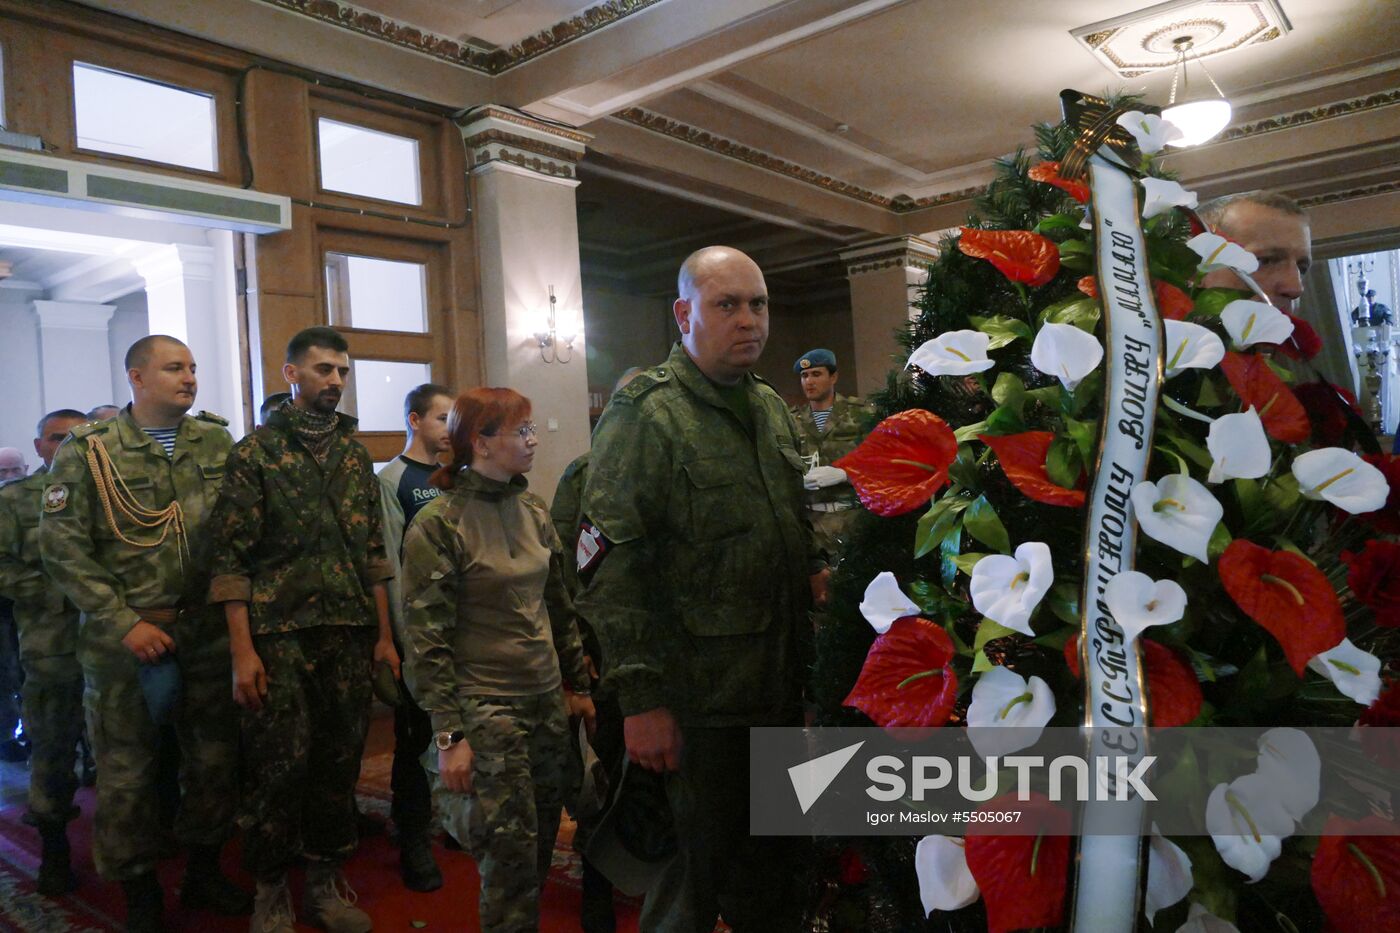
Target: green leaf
[(1181, 464), (963, 470), (1211, 301), (1083, 312), (1002, 329), (1063, 464), (967, 561), (1005, 420), (1209, 396), (1084, 433), (1219, 540), (948, 552), (1057, 222), (1009, 390), (1076, 248), (1057, 639), (969, 432), (1077, 263), (1282, 493), (1193, 451), (982, 522), (1170, 260), (1251, 499), (987, 630), (1063, 600), (1084, 394), (941, 518), (418, 924)]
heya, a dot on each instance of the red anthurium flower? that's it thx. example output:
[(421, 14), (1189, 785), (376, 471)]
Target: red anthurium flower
[(1173, 304), (1089, 286), (1257, 385), (1049, 173), (1356, 877), (1382, 743), (1021, 256), (1173, 690), (1286, 595), (1323, 402), (1386, 519), (1022, 459), (902, 463), (1023, 878), (851, 868), (1374, 576), (906, 681), (1304, 344)]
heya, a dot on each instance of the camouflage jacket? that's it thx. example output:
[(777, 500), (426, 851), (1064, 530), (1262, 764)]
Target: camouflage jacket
[(103, 559), (695, 550), (486, 610), (846, 427), (565, 511), (47, 620), (301, 542)]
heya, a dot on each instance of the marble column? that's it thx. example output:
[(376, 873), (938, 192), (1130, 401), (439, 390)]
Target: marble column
[(522, 174), (883, 275), (75, 362)]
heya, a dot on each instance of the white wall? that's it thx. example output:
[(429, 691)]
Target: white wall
[(129, 324), (19, 364)]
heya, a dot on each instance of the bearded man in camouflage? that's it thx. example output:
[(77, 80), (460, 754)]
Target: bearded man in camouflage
[(125, 533), (300, 568)]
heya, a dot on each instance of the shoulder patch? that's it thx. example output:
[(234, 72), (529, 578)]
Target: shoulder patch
[(212, 418), (90, 427), (592, 548), (644, 382), (56, 498)]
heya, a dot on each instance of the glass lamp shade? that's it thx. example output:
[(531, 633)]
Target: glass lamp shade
[(1198, 120)]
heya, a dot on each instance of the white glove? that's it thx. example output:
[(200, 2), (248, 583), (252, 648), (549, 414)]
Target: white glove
[(823, 476)]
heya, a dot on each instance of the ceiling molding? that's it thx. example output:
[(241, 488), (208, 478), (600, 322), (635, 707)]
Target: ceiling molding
[(462, 52), (1350, 194), (1341, 108)]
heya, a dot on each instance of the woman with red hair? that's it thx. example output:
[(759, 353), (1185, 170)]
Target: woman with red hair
[(493, 653)]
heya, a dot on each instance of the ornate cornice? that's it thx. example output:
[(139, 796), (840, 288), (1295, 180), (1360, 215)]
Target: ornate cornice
[(524, 119), (1350, 194), (461, 53), (1285, 121), (500, 139), (703, 139)]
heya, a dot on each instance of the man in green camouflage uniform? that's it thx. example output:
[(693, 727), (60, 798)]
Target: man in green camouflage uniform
[(696, 556), (125, 533), (829, 426), (300, 569), (48, 644)]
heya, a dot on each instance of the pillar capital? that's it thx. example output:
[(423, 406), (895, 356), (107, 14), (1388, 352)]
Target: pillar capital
[(503, 139), (73, 315), (896, 252)]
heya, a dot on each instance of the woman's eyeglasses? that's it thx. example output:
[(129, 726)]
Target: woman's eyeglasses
[(526, 431)]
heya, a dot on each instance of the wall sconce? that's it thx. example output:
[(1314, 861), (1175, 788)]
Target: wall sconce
[(551, 337)]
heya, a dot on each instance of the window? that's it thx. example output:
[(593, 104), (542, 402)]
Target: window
[(379, 387), (376, 294), (142, 119), (366, 162)]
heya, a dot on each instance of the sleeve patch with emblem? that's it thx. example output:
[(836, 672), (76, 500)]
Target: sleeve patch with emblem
[(56, 498), (592, 546)]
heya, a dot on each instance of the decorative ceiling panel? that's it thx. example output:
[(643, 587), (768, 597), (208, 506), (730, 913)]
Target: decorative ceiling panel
[(1137, 43)]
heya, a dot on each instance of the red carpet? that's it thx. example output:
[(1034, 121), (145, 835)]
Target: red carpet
[(97, 905)]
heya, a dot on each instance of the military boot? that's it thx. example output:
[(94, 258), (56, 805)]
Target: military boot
[(272, 908), (416, 865), (328, 901), (207, 888), (56, 876), (145, 905)]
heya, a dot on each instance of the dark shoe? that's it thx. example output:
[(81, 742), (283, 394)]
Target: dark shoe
[(145, 905), (207, 888), (597, 915), (56, 876), (416, 865)]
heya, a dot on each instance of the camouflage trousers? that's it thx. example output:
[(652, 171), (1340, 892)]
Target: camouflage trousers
[(301, 751), (756, 883), (126, 746), (509, 821), (53, 720), (11, 674), (832, 530)]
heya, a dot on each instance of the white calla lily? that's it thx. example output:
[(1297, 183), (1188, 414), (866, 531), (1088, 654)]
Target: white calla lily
[(1168, 874), (1238, 446), (1065, 351), (1216, 252), (1248, 824), (1179, 512), (1161, 196), (1341, 478), (1150, 130), (945, 882), (955, 353), (1200, 920), (884, 602), (1289, 763), (1356, 673), (1137, 602), (1251, 322), (1007, 712), (1191, 346), (1007, 588)]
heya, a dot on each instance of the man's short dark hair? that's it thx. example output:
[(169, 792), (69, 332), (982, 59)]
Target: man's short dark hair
[(1213, 212), (327, 338), (420, 398), (271, 404), (57, 413), (139, 353), (98, 408)]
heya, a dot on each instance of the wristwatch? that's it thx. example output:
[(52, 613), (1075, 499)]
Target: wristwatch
[(445, 740)]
